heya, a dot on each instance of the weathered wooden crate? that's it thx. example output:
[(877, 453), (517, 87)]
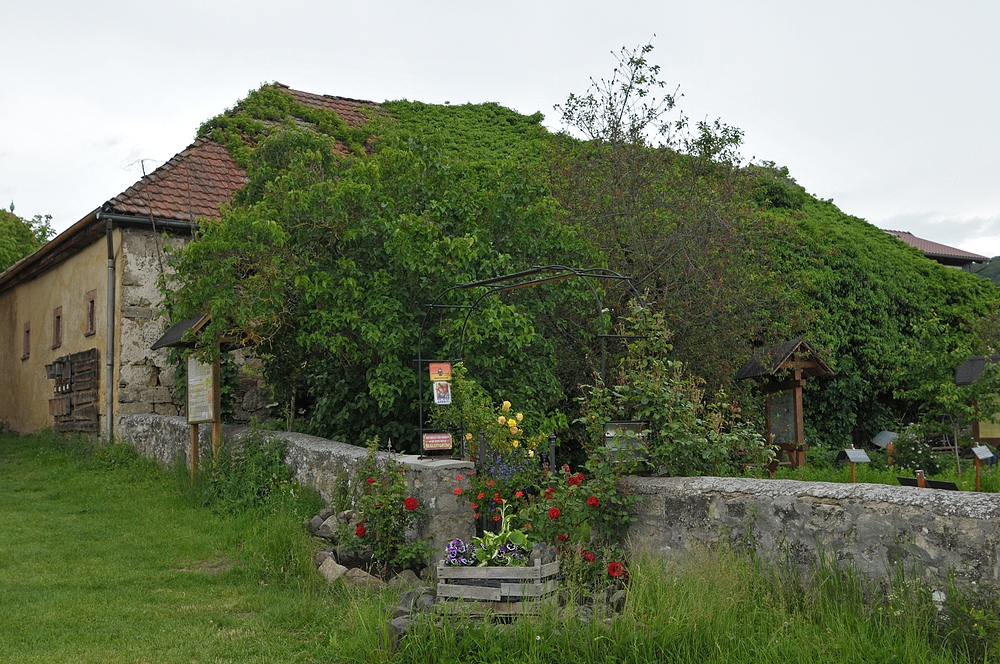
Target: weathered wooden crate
[(500, 589)]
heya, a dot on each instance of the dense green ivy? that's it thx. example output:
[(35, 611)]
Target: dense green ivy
[(326, 261)]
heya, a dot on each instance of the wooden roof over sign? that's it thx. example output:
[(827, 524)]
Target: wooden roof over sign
[(788, 356)]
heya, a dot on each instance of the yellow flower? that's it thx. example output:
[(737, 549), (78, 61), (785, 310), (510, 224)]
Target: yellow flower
[(506, 406), (520, 416), (531, 453), (502, 420), (513, 431), (468, 436), (515, 442)]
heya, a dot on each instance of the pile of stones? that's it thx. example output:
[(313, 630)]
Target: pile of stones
[(349, 564)]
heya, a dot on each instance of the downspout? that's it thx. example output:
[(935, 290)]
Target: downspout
[(109, 346)]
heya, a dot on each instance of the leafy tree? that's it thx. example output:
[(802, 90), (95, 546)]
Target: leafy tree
[(671, 208), (326, 263), (20, 237)]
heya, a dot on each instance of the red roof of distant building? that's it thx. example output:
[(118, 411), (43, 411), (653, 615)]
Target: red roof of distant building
[(938, 251)]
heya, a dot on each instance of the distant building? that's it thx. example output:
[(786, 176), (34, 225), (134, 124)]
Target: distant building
[(78, 316), (941, 253)]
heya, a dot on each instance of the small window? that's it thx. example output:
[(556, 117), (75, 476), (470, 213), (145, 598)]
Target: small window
[(27, 341), (91, 313), (57, 327)]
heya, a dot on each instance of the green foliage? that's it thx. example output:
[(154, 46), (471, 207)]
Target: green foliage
[(868, 293), (20, 237), (688, 435), (389, 513), (327, 264), (251, 474), (913, 453)]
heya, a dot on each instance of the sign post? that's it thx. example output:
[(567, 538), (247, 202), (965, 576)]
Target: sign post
[(203, 397)]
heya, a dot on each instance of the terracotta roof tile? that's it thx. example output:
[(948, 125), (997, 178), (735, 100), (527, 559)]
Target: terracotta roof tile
[(191, 184), (935, 249), (351, 111)]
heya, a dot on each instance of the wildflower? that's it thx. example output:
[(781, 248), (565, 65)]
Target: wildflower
[(589, 557), (489, 483), (457, 491), (562, 537), (480, 496), (506, 406), (411, 504), (459, 478), (360, 531), (519, 494), (593, 501), (615, 569), (468, 435), (554, 513), (515, 442), (519, 417), (502, 420), (371, 480), (531, 454), (497, 498), (496, 517), (476, 516)]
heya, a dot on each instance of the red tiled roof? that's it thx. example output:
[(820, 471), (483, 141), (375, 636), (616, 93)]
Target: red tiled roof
[(351, 111), (935, 249), (195, 181), (191, 184)]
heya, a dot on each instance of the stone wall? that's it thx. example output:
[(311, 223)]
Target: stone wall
[(877, 529), (319, 463)]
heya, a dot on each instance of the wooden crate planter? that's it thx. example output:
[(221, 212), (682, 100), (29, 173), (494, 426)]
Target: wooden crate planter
[(498, 589)]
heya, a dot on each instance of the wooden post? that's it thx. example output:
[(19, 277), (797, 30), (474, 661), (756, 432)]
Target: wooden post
[(799, 457), (194, 452), (921, 481), (216, 407), (978, 488), (854, 480)]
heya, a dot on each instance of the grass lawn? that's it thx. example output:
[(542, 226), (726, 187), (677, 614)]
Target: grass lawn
[(105, 561), (104, 558)]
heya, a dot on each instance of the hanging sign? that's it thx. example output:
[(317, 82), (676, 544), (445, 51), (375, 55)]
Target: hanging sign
[(437, 441), (199, 392), (442, 393), (440, 371)]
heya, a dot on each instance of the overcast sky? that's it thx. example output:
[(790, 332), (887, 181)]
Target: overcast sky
[(887, 107)]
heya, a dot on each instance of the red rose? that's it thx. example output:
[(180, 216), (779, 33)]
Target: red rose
[(548, 493), (489, 483), (457, 491), (519, 494), (360, 530), (411, 504), (481, 495), (497, 498), (589, 557), (496, 517), (554, 513), (575, 480), (593, 501), (371, 480), (562, 537), (615, 569)]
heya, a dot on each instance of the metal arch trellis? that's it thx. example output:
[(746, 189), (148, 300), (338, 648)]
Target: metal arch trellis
[(514, 281)]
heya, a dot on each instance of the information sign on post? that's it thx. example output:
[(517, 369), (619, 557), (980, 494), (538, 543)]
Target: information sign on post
[(200, 395)]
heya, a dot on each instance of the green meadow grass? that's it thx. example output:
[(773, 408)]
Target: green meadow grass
[(105, 558)]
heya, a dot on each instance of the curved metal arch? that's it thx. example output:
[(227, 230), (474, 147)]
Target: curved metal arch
[(520, 280)]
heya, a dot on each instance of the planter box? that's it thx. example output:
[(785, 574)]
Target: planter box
[(498, 589)]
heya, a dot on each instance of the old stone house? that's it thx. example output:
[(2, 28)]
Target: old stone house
[(78, 317)]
